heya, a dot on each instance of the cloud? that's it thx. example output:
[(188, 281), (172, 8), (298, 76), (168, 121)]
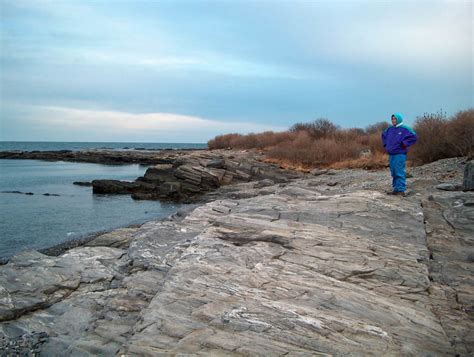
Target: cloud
[(102, 125), (114, 39), (411, 37)]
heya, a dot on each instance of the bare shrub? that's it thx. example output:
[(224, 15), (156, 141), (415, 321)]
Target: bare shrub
[(299, 150), (322, 143), (224, 141), (374, 143), (306, 151), (377, 127), (460, 133), (350, 135), (320, 128), (251, 141), (432, 141)]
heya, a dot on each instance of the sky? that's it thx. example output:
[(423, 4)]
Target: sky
[(186, 71)]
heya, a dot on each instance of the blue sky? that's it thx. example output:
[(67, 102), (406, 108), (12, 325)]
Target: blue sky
[(185, 71)]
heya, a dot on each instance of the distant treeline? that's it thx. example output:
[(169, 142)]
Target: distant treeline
[(322, 143)]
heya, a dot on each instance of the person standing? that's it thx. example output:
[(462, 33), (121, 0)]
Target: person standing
[(396, 140)]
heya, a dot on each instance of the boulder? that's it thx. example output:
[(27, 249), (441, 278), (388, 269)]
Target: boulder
[(82, 183), (113, 186), (448, 187), (468, 181)]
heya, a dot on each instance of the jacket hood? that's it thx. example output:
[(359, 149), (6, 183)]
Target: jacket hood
[(399, 118)]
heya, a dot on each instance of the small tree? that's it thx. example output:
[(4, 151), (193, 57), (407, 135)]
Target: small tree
[(377, 127), (320, 128)]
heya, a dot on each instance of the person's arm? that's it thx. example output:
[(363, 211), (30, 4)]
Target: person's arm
[(409, 139)]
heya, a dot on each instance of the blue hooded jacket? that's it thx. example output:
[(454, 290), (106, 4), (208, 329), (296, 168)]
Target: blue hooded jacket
[(396, 139)]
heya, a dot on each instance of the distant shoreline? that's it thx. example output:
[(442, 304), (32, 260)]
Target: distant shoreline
[(99, 156), (82, 146)]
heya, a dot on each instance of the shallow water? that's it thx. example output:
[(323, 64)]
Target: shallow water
[(38, 221)]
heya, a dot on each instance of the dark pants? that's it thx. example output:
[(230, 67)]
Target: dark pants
[(397, 169)]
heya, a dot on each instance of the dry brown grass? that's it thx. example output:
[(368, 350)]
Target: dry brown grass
[(370, 162)]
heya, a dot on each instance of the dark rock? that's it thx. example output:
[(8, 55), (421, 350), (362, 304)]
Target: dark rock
[(217, 164), (82, 183), (468, 181), (19, 192), (113, 186)]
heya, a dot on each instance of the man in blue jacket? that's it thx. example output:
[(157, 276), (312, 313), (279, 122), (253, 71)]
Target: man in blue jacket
[(396, 139)]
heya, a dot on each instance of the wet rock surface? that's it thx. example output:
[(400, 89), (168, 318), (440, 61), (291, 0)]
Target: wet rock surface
[(300, 267)]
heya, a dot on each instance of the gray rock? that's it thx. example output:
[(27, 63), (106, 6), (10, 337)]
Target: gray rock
[(317, 172), (32, 281), (118, 238), (468, 181), (448, 187), (217, 163)]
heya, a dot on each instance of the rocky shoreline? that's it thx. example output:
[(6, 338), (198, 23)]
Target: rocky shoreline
[(273, 263), (176, 175)]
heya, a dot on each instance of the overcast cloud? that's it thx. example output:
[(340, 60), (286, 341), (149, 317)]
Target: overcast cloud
[(185, 71)]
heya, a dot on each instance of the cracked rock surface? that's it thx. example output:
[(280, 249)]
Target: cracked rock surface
[(300, 268)]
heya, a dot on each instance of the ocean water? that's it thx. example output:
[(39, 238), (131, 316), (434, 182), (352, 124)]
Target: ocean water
[(38, 221), (75, 146)]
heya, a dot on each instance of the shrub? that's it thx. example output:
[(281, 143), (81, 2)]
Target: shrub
[(317, 129), (322, 143), (223, 141), (306, 151), (377, 127), (250, 141), (432, 141), (460, 133), (374, 143)]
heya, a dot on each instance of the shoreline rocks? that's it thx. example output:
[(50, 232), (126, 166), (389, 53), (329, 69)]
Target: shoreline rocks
[(101, 156), (176, 175), (188, 177)]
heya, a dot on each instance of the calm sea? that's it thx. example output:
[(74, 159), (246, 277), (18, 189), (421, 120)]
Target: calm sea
[(75, 146), (70, 212)]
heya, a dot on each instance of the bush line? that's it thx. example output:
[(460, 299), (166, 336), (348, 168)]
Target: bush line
[(323, 144)]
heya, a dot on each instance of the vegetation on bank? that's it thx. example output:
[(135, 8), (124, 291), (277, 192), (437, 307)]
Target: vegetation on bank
[(323, 144)]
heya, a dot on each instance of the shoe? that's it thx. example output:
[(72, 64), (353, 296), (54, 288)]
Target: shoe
[(397, 193)]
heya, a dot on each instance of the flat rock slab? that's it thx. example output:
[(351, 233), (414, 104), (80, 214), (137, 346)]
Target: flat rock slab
[(118, 238), (271, 276)]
